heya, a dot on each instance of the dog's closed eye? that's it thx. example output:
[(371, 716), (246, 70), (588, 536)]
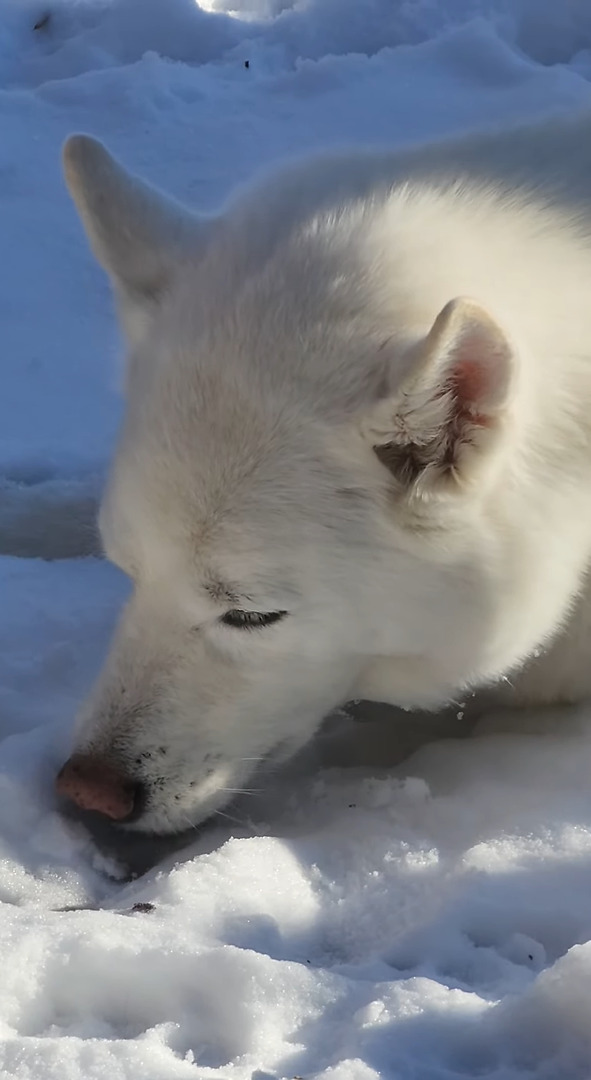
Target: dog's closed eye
[(251, 620)]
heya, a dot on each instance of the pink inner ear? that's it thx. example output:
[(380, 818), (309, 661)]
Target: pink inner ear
[(469, 381), (470, 387), (479, 370)]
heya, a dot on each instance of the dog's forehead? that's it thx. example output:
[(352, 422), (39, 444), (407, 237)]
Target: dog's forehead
[(213, 544), (209, 463)]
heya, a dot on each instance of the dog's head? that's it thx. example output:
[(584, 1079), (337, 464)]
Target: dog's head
[(293, 494)]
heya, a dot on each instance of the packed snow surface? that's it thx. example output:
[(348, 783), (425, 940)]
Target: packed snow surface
[(426, 922)]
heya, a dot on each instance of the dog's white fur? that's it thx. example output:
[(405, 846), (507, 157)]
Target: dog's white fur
[(360, 395)]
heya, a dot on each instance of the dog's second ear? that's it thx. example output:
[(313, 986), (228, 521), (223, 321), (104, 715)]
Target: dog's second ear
[(438, 430), (135, 231)]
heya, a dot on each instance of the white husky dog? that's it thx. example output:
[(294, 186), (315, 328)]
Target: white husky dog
[(356, 457)]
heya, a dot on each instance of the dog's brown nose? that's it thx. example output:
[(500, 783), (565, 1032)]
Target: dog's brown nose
[(93, 784)]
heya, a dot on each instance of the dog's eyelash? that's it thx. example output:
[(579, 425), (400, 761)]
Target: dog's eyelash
[(251, 620)]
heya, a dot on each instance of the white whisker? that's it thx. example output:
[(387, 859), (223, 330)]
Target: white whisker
[(237, 821), (241, 791)]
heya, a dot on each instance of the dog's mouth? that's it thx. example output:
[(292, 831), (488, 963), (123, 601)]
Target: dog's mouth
[(136, 848), (139, 828), (124, 811)]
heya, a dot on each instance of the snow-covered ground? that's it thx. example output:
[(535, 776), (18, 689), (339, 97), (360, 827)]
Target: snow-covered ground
[(424, 923)]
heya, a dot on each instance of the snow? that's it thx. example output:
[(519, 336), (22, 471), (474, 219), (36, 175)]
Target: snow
[(428, 921)]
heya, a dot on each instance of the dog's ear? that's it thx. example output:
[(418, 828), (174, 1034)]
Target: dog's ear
[(135, 231), (440, 427)]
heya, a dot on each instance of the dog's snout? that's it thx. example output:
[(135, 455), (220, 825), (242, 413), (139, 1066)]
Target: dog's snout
[(92, 783)]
